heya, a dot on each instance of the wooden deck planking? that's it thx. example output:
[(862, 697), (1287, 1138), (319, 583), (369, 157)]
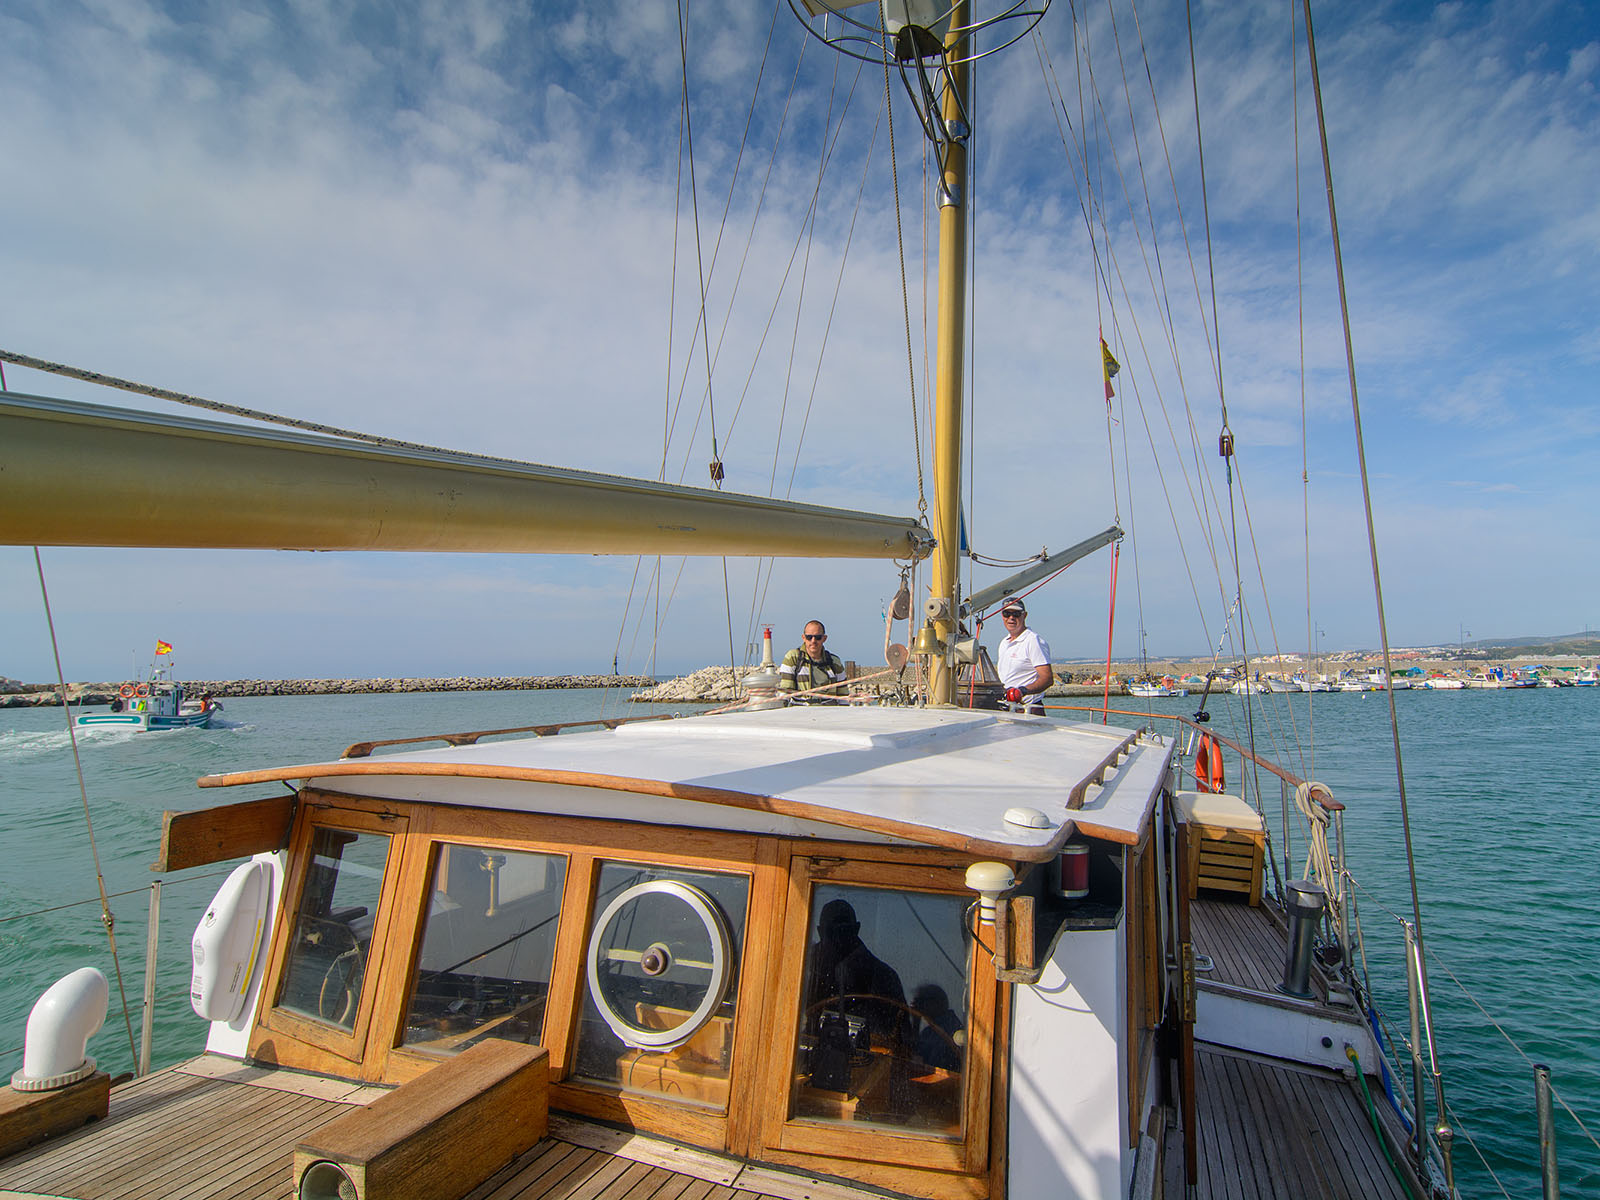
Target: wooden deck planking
[(186, 1159), (205, 1131), (549, 1159), (173, 1135), (1271, 1131), (1248, 946)]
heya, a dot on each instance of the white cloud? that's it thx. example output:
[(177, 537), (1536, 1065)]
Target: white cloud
[(455, 224)]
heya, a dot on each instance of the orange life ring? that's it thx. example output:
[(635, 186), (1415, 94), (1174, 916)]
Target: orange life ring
[(142, 690), (125, 690), (1208, 764)]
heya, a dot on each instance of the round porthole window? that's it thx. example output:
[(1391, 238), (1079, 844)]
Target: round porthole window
[(658, 963)]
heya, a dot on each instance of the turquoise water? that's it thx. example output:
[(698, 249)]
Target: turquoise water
[(1500, 786)]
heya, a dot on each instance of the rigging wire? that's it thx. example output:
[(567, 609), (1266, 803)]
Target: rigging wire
[(106, 918), (705, 332), (1226, 436), (1366, 498), (1300, 312)]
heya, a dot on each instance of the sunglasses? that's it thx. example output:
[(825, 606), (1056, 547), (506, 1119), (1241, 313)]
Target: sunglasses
[(815, 637), (1010, 613)]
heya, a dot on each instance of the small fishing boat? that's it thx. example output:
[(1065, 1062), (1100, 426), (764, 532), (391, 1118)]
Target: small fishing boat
[(1153, 690), (148, 706)]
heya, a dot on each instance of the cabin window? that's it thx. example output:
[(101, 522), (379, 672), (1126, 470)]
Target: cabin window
[(662, 965), (326, 967), (488, 940), (882, 1032)]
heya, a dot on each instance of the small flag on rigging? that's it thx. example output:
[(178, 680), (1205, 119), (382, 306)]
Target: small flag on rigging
[(163, 647), (1109, 364)]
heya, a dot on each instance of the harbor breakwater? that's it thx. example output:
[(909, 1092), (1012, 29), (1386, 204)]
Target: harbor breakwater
[(38, 695)]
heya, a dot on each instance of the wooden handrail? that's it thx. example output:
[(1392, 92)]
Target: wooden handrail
[(1320, 793), (365, 749), (1075, 797)]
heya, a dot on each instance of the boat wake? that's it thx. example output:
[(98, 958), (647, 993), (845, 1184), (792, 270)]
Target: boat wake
[(18, 745)]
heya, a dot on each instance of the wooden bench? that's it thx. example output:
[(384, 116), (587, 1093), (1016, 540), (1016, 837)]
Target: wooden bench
[(437, 1136), (1227, 843)]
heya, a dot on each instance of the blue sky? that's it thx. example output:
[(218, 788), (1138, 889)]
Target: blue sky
[(455, 224)]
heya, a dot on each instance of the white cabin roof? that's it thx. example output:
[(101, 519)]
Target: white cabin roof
[(944, 777)]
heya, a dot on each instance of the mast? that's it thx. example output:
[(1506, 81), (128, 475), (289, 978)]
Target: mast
[(951, 328)]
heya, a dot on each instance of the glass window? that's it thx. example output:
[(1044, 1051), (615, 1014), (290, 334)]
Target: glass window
[(487, 945), (327, 960), (663, 966), (882, 1035)]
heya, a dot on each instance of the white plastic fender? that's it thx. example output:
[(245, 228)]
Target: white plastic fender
[(63, 1020), (227, 941)]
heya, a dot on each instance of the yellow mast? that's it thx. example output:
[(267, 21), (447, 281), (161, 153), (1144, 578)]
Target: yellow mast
[(945, 585)]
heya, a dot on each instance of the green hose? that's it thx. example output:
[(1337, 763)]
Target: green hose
[(1372, 1115)]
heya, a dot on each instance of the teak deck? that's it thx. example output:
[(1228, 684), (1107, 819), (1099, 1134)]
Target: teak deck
[(1252, 1148), (1246, 946), (212, 1129)]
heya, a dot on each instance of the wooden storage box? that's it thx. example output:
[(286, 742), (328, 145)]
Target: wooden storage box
[(1227, 844), (438, 1136)]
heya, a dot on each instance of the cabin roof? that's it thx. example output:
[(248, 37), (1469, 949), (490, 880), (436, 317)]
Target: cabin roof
[(925, 776)]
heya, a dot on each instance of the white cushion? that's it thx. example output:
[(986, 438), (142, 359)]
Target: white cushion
[(1217, 809)]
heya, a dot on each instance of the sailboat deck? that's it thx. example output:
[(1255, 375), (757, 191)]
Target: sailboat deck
[(1246, 945), (214, 1130), (1271, 1130)]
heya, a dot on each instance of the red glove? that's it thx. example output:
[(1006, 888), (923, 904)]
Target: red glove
[(1013, 694)]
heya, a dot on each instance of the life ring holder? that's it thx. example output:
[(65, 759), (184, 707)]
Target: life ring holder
[(142, 690), (125, 691), (1208, 765)]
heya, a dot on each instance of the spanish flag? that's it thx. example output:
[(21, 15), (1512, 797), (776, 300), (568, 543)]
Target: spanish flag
[(1109, 364), (163, 647)]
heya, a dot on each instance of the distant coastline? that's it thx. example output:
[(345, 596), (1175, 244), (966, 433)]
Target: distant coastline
[(715, 684), (42, 695)]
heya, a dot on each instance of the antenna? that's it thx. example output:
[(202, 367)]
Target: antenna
[(925, 39)]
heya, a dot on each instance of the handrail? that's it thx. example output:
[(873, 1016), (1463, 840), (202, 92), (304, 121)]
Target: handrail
[(365, 749), (1320, 792), (1081, 788)]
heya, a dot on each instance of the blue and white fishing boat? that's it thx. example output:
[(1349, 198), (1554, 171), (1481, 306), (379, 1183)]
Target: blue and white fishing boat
[(157, 704)]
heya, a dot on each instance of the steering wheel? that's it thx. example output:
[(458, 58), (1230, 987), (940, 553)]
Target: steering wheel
[(341, 983), (918, 1017)]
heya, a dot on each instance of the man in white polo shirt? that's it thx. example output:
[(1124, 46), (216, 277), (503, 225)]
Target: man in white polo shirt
[(1023, 659)]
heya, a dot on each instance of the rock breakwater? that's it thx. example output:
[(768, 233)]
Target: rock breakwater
[(37, 695)]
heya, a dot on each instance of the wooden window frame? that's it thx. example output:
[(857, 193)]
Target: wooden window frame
[(1144, 953), (293, 1039), (398, 1063), (803, 1142), (782, 873), (734, 854)]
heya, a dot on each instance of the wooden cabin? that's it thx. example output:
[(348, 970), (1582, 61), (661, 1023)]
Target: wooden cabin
[(748, 939)]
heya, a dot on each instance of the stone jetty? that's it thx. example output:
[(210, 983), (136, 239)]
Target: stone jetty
[(715, 685), (33, 695)]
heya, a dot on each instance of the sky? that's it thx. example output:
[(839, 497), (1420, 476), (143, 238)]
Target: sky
[(472, 225)]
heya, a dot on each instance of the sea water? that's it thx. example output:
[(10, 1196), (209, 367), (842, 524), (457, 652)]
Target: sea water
[(1500, 787)]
